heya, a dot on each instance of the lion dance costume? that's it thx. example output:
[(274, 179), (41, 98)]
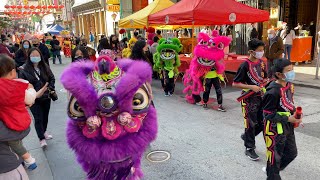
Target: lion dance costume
[(206, 67), (127, 51), (166, 62), (112, 119)]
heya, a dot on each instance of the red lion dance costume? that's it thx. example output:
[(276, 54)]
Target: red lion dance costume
[(208, 54)]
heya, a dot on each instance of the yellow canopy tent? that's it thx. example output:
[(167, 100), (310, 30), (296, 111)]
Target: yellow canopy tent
[(139, 19)]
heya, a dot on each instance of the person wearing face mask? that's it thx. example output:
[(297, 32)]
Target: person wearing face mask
[(115, 46), (4, 47), (278, 110), (79, 53), (38, 73), (250, 76), (91, 51), (22, 54), (274, 49), (43, 48)]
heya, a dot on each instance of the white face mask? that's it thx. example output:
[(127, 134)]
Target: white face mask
[(7, 43), (270, 36), (259, 54)]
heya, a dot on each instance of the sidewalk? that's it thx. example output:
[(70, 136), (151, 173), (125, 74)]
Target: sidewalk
[(305, 76), (43, 171)]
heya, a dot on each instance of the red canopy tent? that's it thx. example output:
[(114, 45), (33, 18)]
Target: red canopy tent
[(208, 12)]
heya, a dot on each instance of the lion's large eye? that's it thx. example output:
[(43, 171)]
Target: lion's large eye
[(212, 43), (75, 112), (140, 100), (220, 46), (202, 42)]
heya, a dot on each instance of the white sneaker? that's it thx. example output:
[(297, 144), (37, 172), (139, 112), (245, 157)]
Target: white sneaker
[(264, 169), (199, 104), (47, 136), (43, 144), (30, 165)]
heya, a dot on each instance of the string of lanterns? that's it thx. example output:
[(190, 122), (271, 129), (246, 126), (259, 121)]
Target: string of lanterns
[(16, 10)]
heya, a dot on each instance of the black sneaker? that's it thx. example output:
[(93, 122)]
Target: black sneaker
[(252, 154), (221, 108), (242, 136), (205, 105), (166, 94)]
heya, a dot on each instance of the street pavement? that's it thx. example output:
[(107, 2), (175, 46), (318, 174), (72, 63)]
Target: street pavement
[(204, 144)]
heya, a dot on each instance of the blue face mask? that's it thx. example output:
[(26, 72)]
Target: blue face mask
[(26, 46), (290, 76), (35, 59)]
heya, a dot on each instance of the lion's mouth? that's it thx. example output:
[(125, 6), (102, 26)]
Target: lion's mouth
[(206, 62), (167, 54)]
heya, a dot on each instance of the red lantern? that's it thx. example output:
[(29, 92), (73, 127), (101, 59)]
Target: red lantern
[(13, 6), (56, 6), (19, 6), (44, 7), (7, 6), (61, 6), (50, 6), (26, 7), (34, 12), (38, 7), (25, 13), (19, 12), (122, 31), (32, 7), (29, 12)]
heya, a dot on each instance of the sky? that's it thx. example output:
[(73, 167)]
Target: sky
[(2, 3)]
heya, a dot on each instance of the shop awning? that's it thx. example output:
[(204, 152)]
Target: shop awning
[(85, 5), (140, 18), (208, 12)]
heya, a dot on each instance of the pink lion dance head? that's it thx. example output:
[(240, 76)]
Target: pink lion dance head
[(208, 54)]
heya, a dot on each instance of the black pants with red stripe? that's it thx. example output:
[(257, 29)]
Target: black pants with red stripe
[(281, 148), (208, 83), (167, 83), (253, 119)]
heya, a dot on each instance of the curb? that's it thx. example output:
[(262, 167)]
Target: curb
[(301, 84)]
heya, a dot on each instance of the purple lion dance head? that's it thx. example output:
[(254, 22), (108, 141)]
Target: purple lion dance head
[(111, 116)]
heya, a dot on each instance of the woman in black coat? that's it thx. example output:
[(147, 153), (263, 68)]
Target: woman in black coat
[(22, 54), (38, 73)]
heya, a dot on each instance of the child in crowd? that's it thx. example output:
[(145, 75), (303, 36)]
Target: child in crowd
[(16, 94), (278, 110), (250, 76)]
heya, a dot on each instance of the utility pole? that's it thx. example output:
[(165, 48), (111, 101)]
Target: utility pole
[(317, 36)]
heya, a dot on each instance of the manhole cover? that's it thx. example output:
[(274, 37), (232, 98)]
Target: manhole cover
[(158, 156)]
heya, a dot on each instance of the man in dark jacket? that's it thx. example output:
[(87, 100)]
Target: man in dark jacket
[(56, 48), (11, 167), (4, 47), (43, 48), (274, 49)]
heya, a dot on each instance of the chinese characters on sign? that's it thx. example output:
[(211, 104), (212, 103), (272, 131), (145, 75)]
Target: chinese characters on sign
[(113, 5)]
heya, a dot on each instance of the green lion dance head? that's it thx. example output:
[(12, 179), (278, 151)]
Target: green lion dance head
[(169, 48)]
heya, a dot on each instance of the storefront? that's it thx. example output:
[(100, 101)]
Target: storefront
[(302, 17), (89, 17)]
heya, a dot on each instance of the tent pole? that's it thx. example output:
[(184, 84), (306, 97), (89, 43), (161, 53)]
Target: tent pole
[(192, 37)]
